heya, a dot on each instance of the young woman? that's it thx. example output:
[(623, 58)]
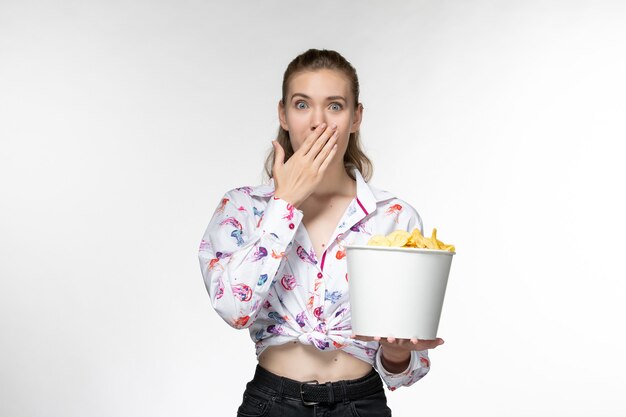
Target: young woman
[(273, 256)]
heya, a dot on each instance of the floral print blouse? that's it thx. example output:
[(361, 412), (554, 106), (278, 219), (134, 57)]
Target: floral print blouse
[(261, 271)]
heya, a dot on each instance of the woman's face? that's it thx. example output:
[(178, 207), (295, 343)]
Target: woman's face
[(315, 97)]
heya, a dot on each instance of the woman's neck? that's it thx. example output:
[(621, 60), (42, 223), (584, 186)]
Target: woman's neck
[(336, 182)]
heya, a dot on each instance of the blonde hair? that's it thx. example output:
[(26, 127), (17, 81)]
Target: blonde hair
[(316, 59)]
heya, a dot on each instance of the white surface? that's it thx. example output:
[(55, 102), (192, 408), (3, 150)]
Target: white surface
[(122, 123), (397, 292)]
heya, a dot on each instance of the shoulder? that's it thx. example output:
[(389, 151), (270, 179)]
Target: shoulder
[(241, 207), (390, 205)]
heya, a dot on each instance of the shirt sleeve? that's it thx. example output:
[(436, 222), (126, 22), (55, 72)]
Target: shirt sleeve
[(419, 366), (240, 254)]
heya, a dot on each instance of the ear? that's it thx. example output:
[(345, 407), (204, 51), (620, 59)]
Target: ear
[(358, 116), (282, 116)]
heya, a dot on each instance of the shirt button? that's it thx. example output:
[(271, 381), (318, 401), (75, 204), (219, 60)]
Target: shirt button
[(319, 275), (291, 225)]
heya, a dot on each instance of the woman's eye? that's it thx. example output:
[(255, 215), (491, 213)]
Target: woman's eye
[(298, 105), (337, 106)]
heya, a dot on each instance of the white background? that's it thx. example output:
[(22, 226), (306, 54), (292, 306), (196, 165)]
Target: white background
[(122, 123)]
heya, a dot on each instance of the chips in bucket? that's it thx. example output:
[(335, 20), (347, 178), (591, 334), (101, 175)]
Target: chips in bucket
[(403, 239)]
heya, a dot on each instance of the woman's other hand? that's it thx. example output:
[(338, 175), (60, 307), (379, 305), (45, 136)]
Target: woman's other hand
[(296, 179), (396, 353)]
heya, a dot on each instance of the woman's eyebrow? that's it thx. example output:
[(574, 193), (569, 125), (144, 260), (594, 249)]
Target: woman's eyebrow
[(327, 98)]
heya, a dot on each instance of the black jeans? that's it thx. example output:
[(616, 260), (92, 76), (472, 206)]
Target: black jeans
[(261, 400)]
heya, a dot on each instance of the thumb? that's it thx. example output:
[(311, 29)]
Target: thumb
[(279, 154)]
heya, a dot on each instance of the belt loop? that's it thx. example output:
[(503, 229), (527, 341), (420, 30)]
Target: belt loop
[(346, 400), (280, 389), (331, 392)]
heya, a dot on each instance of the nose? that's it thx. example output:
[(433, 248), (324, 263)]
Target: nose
[(317, 118), (315, 124)]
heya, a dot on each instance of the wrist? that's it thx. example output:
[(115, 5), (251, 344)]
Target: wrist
[(289, 199), (395, 363)]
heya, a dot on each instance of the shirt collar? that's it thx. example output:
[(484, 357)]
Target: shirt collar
[(368, 196)]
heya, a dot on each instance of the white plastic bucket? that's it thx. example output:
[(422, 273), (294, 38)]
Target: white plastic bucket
[(395, 291)]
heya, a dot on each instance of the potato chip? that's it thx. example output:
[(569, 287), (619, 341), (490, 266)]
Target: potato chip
[(430, 244), (398, 238), (379, 240), (416, 240)]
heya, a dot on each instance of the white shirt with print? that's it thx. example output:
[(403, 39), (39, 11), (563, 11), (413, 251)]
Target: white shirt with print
[(261, 271)]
